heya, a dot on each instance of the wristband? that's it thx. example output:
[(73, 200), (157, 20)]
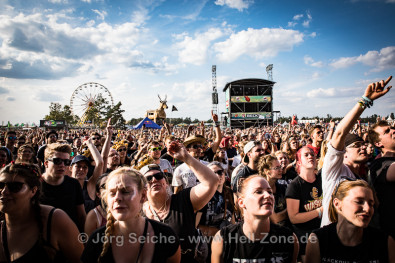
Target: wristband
[(367, 99), (216, 123)]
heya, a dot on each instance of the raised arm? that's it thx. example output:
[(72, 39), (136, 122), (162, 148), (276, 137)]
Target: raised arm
[(218, 134), (107, 145), (98, 168), (204, 191), (373, 91)]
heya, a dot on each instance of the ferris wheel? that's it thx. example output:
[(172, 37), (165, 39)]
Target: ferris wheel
[(85, 97)]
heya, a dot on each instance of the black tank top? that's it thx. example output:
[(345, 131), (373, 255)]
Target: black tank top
[(373, 249), (277, 246), (39, 251)]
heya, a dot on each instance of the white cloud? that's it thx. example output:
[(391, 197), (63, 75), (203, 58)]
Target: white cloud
[(236, 4), (194, 50), (8, 98), (310, 61), (379, 60), (101, 14), (297, 17), (58, 1), (257, 43), (87, 1), (320, 92), (306, 23), (292, 24)]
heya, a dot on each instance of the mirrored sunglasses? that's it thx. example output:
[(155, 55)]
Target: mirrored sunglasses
[(159, 148)]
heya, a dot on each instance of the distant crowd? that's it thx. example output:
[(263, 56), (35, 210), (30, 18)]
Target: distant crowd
[(322, 192)]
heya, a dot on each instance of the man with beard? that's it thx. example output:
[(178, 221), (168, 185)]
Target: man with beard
[(346, 155), (113, 160), (382, 174), (252, 152), (96, 138), (59, 190), (51, 137)]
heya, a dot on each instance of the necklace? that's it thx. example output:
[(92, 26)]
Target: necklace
[(162, 209)]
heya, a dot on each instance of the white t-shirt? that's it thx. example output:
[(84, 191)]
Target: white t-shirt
[(165, 166), (332, 172), (183, 176), (236, 160)]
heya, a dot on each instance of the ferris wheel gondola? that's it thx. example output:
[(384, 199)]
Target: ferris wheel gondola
[(86, 96)]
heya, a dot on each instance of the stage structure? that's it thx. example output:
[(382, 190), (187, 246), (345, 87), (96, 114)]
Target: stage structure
[(249, 102)]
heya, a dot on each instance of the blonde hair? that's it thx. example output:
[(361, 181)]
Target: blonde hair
[(324, 149), (341, 191), (139, 180), (265, 163), (56, 147)]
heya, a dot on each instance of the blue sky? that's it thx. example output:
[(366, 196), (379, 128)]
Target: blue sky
[(324, 53)]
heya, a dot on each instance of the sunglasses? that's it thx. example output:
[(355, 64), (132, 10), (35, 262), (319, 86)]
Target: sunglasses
[(158, 176), (159, 148), (122, 150), (219, 172), (95, 138), (12, 138), (196, 146), (58, 161), (14, 187)]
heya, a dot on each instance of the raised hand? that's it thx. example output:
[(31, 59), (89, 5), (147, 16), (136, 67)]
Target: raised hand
[(376, 89)]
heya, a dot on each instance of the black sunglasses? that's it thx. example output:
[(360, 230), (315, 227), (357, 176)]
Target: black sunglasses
[(158, 176), (95, 138), (122, 150), (196, 146), (14, 187), (58, 161), (219, 172)]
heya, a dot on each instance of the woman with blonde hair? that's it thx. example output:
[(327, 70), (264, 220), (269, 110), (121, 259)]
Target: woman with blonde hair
[(256, 238), (350, 238), (128, 236), (270, 168)]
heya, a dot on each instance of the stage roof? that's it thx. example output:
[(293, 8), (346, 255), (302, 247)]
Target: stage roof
[(249, 82)]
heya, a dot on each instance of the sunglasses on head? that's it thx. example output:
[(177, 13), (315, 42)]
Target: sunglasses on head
[(58, 161), (159, 148), (158, 176), (122, 150), (14, 187)]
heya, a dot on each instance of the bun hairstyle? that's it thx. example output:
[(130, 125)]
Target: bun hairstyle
[(139, 180), (265, 163), (341, 191)]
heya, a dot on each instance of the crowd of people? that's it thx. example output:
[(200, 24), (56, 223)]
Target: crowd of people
[(294, 193)]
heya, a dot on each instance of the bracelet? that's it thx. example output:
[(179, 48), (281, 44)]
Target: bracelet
[(368, 102), (367, 99), (319, 212), (216, 123)]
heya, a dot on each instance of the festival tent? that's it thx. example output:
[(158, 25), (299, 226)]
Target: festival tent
[(148, 124)]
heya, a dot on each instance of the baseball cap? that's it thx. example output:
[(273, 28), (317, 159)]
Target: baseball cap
[(351, 138), (150, 167), (80, 158)]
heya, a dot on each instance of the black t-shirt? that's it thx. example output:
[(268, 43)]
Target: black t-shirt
[(208, 155), (163, 250), (181, 218), (374, 246), (231, 152), (385, 191), (214, 214), (65, 196), (288, 176), (242, 173), (310, 197), (277, 246)]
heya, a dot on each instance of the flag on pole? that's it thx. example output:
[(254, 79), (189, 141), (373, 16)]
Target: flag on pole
[(174, 108)]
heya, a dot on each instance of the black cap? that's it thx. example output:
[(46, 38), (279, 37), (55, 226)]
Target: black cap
[(351, 138), (80, 158)]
